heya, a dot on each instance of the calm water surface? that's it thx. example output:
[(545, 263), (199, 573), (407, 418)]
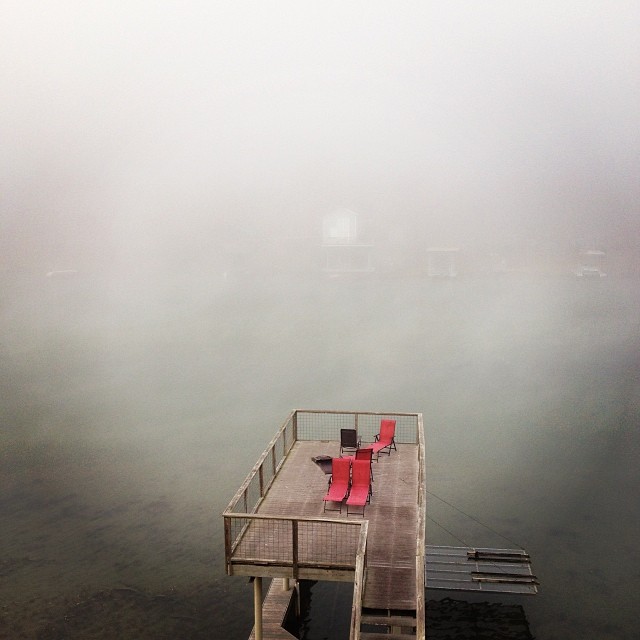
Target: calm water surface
[(133, 407)]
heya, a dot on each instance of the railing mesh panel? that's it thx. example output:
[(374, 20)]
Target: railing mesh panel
[(237, 528), (323, 426), (319, 425), (406, 427), (327, 543), (267, 469), (271, 540), (253, 494), (265, 540), (287, 438)]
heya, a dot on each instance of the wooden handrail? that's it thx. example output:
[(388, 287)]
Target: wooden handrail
[(361, 413), (260, 516), (258, 464)]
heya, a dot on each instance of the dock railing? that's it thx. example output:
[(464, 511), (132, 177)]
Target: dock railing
[(326, 425), (295, 547), (252, 491)]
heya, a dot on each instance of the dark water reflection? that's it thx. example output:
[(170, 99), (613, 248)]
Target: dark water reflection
[(133, 408)]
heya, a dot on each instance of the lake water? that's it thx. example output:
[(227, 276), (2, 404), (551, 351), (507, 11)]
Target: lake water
[(134, 406)]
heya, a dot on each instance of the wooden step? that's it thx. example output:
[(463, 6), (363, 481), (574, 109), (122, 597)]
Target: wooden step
[(390, 621), (387, 636)]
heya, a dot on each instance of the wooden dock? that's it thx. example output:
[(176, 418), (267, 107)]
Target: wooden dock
[(276, 527)]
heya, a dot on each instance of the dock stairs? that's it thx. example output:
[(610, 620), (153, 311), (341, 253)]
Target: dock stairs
[(388, 624)]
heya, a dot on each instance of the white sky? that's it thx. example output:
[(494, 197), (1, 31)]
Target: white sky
[(461, 118)]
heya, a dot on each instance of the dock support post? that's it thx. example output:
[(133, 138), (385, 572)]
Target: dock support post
[(257, 606), (285, 584)]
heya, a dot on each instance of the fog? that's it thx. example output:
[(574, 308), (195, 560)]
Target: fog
[(136, 132), (165, 172)]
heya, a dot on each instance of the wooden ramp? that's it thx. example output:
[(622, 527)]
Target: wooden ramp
[(274, 611)]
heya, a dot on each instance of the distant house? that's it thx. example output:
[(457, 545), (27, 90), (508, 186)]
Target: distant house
[(442, 262), (346, 247), (591, 264)]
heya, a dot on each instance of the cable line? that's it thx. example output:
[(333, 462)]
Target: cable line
[(453, 535), (475, 520)]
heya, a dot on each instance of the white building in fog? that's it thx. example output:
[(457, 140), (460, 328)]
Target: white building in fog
[(442, 262), (591, 264), (346, 247)]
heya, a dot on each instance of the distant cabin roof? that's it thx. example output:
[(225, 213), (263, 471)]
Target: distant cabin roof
[(341, 213)]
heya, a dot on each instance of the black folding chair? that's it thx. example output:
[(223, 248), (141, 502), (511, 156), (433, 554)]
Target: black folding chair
[(349, 440)]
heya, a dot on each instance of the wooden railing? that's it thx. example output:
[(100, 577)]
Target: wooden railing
[(313, 424), (297, 544), (250, 494)]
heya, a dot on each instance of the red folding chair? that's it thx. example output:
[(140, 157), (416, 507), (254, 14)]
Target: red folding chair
[(339, 487), (366, 453), (360, 492)]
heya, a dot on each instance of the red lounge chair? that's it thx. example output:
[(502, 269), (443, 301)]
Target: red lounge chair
[(385, 440), (339, 486), (360, 492), (366, 453)]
